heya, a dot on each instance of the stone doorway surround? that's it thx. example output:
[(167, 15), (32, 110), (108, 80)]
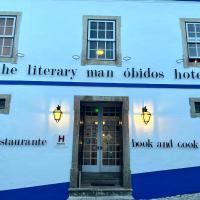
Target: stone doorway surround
[(126, 173)]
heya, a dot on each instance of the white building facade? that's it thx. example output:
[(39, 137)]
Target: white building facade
[(104, 65)]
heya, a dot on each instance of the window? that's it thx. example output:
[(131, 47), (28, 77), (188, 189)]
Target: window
[(5, 103), (191, 42), (194, 107), (101, 40), (9, 28)]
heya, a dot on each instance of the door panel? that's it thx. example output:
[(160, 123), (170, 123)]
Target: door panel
[(111, 139), (90, 140)]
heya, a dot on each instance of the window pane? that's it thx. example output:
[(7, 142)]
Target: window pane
[(191, 34), (101, 56), (86, 147), (198, 52), (1, 41), (109, 26), (9, 22), (109, 45), (94, 154), (101, 25), (6, 51), (93, 25), (2, 21), (92, 54), (112, 162), (101, 45), (109, 54), (101, 34), (93, 162), (86, 154), (197, 27), (109, 34), (192, 45), (93, 34), (105, 162), (93, 45), (8, 31), (192, 52), (1, 30), (8, 42), (86, 161), (94, 147), (191, 28), (198, 35)]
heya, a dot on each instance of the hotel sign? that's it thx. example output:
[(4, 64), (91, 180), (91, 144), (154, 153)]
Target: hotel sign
[(71, 73)]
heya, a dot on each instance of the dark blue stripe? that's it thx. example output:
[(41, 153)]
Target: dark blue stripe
[(166, 183), (94, 84), (48, 192)]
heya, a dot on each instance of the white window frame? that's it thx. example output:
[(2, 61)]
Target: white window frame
[(12, 58), (102, 40), (188, 60), (7, 98), (116, 60)]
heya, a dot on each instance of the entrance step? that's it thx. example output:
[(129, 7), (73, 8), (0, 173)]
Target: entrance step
[(98, 193), (101, 179)]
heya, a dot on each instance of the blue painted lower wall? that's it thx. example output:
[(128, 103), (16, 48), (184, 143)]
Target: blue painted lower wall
[(166, 183), (48, 192), (145, 186)]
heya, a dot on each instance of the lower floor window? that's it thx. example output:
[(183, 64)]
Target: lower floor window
[(194, 107), (5, 103)]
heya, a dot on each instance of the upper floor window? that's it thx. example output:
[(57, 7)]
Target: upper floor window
[(9, 28), (101, 40), (191, 42)]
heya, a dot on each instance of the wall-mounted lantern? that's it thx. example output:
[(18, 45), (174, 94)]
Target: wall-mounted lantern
[(57, 113), (146, 115)]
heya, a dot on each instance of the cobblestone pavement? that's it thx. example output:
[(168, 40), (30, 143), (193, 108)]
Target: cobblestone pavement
[(182, 197), (178, 197)]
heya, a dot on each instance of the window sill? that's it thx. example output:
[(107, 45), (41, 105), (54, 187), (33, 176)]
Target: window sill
[(102, 62), (9, 60)]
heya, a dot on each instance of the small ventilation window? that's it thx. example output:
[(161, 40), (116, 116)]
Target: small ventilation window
[(5, 103), (194, 107), (2, 103)]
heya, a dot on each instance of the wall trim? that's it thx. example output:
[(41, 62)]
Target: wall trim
[(95, 84)]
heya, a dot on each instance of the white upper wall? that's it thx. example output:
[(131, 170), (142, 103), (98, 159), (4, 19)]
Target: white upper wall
[(51, 33)]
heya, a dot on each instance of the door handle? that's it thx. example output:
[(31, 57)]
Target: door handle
[(99, 147)]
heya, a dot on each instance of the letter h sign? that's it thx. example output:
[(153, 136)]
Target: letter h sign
[(61, 139)]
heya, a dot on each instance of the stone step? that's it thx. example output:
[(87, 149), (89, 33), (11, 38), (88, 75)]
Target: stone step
[(100, 176), (100, 192), (102, 198), (100, 179)]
